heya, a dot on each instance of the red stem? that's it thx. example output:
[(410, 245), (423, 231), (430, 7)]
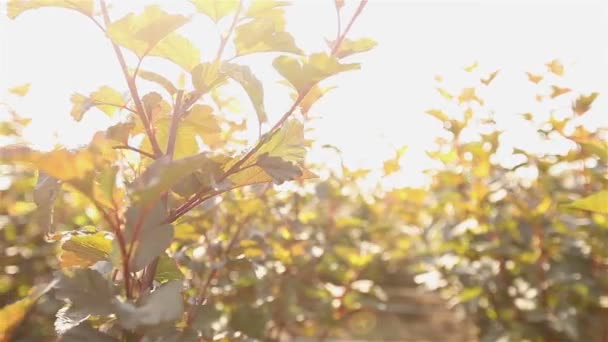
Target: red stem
[(141, 111)]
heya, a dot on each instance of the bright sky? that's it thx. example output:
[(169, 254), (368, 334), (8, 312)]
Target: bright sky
[(374, 110)]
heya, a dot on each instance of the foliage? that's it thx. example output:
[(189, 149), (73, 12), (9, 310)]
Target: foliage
[(504, 239), (161, 229), (142, 254)]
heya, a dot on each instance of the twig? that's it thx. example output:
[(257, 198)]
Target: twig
[(97, 103), (348, 27), (174, 124), (225, 38), (141, 110), (134, 149), (203, 291), (196, 199)]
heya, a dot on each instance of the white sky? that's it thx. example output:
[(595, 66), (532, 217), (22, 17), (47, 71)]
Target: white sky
[(374, 110)]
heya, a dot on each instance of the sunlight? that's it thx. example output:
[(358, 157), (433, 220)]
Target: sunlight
[(368, 120)]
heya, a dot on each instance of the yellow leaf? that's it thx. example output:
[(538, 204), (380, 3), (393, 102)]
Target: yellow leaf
[(207, 76), (266, 32), (598, 202), (202, 121), (61, 164), (179, 50), (16, 7), (583, 103), (287, 143), (158, 79), (439, 114), (12, 315), (470, 68), (350, 47), (85, 250), (314, 94), (215, 9), (468, 95), (446, 95), (20, 90), (185, 142), (391, 166), (490, 78), (556, 67), (252, 86), (151, 33), (557, 91), (534, 78), (107, 99), (306, 72)]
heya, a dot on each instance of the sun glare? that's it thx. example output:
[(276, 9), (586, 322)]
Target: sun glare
[(374, 111)]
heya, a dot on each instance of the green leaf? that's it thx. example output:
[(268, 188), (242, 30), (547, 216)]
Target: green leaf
[(215, 9), (163, 305), (145, 234), (163, 174), (598, 203), (84, 250), (87, 290), (16, 7), (306, 72), (279, 169), (287, 143), (204, 178), (167, 270), (158, 79), (253, 86), (350, 47), (107, 99)]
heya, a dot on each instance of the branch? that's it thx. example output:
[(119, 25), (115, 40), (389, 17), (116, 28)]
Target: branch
[(229, 33), (134, 149), (197, 198), (349, 26), (98, 103), (174, 124), (192, 313), (141, 111)]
